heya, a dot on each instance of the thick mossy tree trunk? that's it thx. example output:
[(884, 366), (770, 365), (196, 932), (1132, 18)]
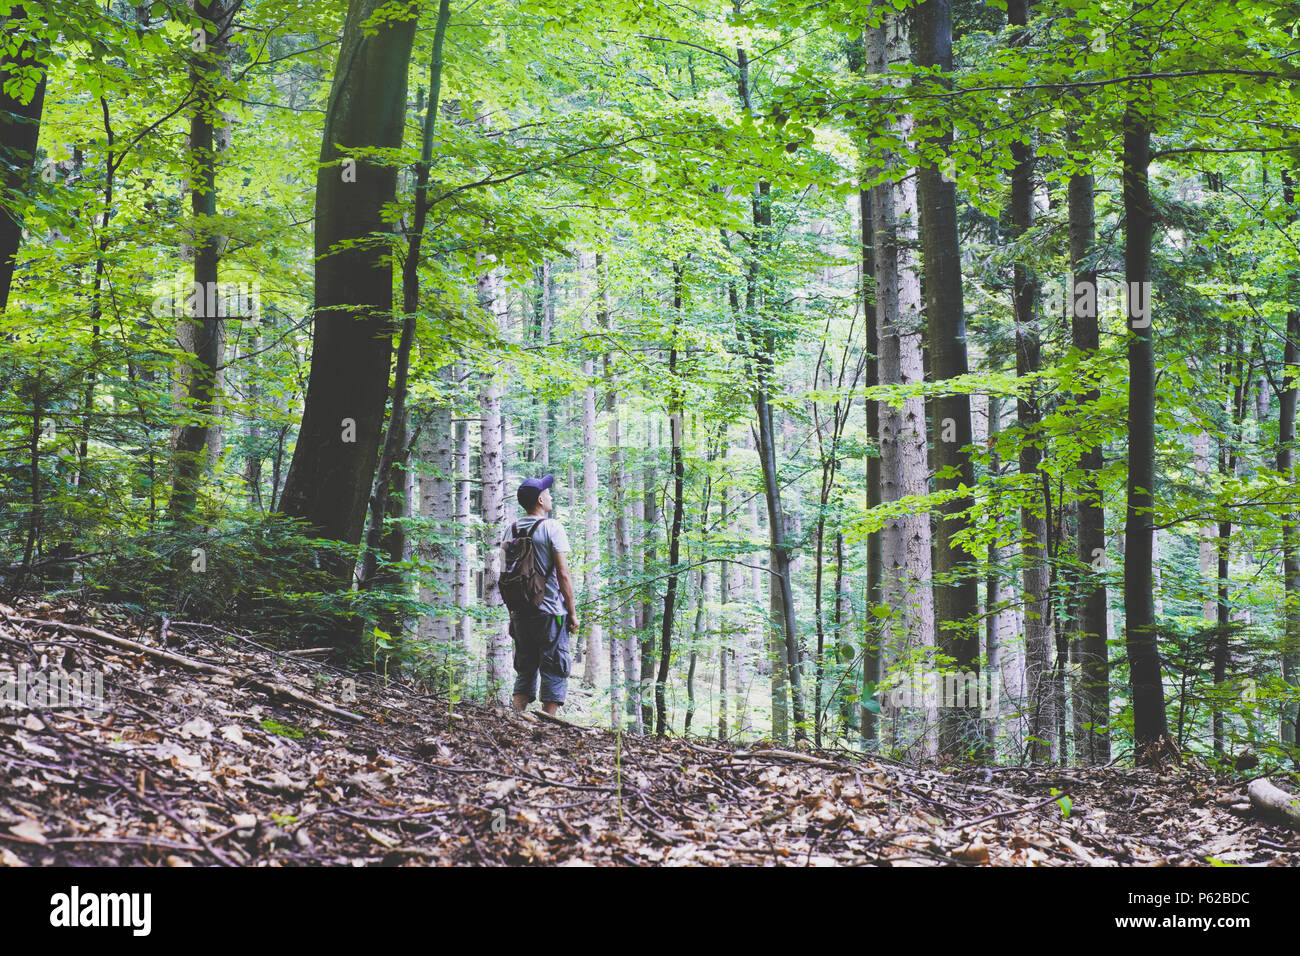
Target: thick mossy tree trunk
[(334, 460)]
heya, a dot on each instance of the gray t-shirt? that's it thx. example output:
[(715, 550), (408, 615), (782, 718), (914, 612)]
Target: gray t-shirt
[(547, 540)]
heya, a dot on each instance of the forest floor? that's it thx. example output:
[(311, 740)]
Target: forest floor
[(214, 749)]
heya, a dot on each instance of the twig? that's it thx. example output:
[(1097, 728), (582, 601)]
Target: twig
[(1006, 813)]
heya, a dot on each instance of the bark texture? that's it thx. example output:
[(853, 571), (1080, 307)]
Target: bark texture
[(333, 466)]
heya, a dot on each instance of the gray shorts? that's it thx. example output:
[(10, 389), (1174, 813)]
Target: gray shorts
[(541, 644)]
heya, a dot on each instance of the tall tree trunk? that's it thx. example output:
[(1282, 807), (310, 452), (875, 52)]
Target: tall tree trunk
[(1059, 548), (1094, 697), (20, 128), (828, 451), (754, 655), (590, 489), (701, 596), (544, 302), (465, 548), (30, 546), (869, 706), (492, 465), (1290, 549), (905, 542), (843, 619), (343, 415), (1223, 619), (252, 364), (1207, 533), (956, 591), (96, 296), (635, 564), (1236, 373), (1286, 438), (437, 547), (993, 612), (819, 562), (784, 650), (697, 636), (1150, 726), (650, 526), (203, 331), (389, 500), (785, 636), (619, 534), (111, 162), (725, 651), (675, 404), (760, 348), (1039, 643)]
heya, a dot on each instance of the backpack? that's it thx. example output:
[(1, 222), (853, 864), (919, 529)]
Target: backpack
[(522, 584)]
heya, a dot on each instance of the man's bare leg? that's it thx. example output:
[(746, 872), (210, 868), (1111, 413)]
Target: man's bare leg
[(519, 702), (550, 707)]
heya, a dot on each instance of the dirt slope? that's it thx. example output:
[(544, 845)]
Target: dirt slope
[(215, 750)]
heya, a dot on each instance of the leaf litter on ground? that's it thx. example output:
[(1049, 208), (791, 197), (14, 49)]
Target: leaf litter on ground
[(214, 749)]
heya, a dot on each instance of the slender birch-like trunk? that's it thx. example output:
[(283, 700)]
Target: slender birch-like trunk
[(437, 548), (590, 485), (492, 474)]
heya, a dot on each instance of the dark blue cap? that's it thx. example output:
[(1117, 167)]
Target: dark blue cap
[(532, 489)]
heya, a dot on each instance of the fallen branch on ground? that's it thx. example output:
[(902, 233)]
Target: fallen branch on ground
[(1274, 802), (553, 718), (188, 663)]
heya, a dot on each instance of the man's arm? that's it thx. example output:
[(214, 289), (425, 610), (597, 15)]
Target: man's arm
[(566, 589)]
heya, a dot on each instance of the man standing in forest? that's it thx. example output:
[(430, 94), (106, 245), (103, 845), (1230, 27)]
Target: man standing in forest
[(541, 637)]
